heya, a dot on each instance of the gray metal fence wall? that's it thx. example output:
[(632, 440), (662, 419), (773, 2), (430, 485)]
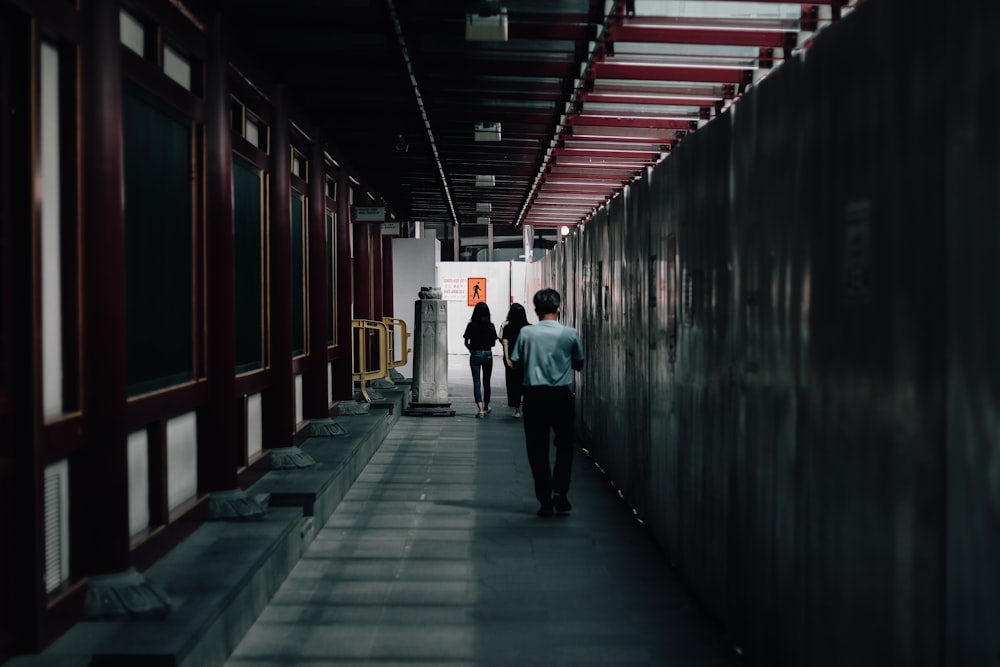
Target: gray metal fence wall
[(792, 327)]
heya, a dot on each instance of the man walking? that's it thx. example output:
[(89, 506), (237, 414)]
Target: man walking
[(550, 352)]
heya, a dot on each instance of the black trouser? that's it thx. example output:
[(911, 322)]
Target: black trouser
[(545, 409), (514, 376)]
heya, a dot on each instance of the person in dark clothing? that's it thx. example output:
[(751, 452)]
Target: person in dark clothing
[(550, 353), (480, 337), (517, 319)]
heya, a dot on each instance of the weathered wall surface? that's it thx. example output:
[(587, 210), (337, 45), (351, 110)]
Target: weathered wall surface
[(791, 328)]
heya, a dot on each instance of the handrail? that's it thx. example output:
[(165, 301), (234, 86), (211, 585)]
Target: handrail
[(363, 374), (404, 337)]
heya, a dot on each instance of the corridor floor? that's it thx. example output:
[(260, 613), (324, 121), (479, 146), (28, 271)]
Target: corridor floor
[(436, 557)]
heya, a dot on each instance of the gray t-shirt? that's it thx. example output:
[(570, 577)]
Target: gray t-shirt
[(547, 350)]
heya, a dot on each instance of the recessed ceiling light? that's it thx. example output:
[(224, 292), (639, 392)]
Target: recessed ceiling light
[(490, 26)]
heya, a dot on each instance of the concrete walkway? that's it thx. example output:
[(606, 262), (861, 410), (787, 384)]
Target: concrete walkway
[(435, 557)]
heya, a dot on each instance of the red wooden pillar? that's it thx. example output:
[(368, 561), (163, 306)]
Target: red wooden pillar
[(363, 284), (388, 309), (218, 448), (375, 234), (343, 385), (99, 491), (22, 591), (362, 271), (315, 400), (279, 397)]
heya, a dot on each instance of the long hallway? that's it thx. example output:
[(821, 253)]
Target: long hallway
[(436, 557)]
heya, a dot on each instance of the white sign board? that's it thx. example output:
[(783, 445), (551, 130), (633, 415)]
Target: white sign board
[(453, 289)]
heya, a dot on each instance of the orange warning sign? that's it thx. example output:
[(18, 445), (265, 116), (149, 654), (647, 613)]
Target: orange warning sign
[(476, 290)]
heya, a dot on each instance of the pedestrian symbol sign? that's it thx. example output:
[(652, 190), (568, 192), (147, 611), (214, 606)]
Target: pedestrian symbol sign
[(476, 290)]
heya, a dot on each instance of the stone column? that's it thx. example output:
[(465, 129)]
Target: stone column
[(430, 349)]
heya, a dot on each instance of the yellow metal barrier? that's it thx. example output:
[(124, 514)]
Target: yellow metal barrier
[(404, 340), (361, 331)]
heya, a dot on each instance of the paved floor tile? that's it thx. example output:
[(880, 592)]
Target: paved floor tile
[(435, 557)]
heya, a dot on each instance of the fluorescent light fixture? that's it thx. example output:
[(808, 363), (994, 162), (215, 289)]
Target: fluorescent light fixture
[(487, 132), (486, 27), (481, 220), (485, 181), (484, 207)]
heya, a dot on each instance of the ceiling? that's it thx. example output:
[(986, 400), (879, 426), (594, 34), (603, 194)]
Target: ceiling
[(586, 93)]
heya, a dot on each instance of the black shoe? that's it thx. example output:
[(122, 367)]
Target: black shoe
[(545, 511), (562, 503)]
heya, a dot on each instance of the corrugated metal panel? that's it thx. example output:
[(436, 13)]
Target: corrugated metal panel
[(967, 239), (791, 454)]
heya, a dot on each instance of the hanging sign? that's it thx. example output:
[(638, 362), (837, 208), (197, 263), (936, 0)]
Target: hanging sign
[(390, 228), (368, 213)]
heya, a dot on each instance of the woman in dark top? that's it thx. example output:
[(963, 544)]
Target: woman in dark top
[(517, 319), (480, 337)]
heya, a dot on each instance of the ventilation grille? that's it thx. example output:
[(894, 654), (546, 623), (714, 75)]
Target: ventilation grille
[(56, 525)]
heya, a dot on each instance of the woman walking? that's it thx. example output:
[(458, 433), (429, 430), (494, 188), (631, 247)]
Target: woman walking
[(517, 319), (480, 337)]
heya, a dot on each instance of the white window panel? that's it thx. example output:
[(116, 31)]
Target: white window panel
[(132, 33), (177, 67), (182, 459), (138, 481), (52, 359), (255, 426), (298, 398)]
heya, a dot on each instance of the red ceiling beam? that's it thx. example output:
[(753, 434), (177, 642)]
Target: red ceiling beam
[(621, 98), (668, 72), (632, 122), (586, 187), (640, 31), (581, 153), (579, 130), (584, 173)]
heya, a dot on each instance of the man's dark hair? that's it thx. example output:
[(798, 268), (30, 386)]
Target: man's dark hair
[(546, 301)]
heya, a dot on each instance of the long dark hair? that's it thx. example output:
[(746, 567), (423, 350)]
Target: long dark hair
[(517, 319), (516, 316), (481, 313)]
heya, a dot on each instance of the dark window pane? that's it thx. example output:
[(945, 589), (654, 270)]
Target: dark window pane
[(248, 234), (331, 277), (298, 274), (158, 257)]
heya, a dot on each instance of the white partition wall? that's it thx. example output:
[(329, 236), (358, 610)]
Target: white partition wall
[(500, 278), (414, 265)]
